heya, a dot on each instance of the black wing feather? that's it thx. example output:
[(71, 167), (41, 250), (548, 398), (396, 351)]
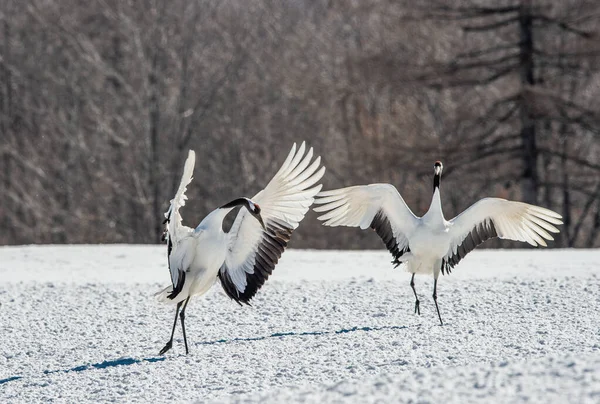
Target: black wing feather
[(481, 232), (383, 228), (269, 250), (177, 288), (180, 279)]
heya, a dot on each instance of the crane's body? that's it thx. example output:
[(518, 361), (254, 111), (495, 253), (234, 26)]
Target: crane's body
[(429, 241), (187, 252)]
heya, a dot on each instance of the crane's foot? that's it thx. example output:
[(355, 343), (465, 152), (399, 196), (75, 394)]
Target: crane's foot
[(168, 346), (417, 307)]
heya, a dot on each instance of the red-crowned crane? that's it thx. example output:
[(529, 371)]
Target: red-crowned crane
[(243, 258), (431, 244)]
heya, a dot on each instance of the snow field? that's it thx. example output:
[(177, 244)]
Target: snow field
[(79, 324)]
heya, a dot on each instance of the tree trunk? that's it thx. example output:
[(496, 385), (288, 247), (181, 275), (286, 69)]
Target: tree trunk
[(154, 161), (5, 119), (566, 196), (154, 182), (529, 181), (595, 228)]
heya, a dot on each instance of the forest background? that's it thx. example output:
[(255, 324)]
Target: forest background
[(100, 101)]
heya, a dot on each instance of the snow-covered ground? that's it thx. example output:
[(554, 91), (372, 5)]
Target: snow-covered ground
[(79, 324)]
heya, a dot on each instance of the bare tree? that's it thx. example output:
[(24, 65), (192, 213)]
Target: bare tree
[(100, 102)]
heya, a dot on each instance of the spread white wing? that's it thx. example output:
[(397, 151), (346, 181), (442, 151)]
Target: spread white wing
[(495, 217), (175, 231), (253, 251), (378, 206)]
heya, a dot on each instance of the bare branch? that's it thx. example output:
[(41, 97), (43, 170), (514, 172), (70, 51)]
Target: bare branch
[(450, 83), (490, 26), (575, 159), (564, 26), (493, 63), (486, 51)]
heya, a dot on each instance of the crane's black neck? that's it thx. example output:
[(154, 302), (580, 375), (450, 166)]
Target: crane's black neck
[(436, 181), (237, 202)]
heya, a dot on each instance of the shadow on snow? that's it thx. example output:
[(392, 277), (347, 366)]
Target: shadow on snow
[(105, 364), (132, 361), (300, 334), (10, 379)]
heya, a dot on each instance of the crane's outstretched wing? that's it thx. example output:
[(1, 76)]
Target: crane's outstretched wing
[(175, 231), (495, 217), (253, 251), (378, 206)]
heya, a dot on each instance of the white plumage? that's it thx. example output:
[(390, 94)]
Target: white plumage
[(431, 244), (244, 257)]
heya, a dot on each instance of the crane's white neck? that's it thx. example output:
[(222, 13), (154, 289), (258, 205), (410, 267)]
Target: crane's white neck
[(435, 213), (214, 220)]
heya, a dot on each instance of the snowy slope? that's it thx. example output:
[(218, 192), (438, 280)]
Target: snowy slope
[(78, 324)]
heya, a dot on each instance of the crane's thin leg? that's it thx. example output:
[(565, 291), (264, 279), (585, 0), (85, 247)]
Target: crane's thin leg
[(435, 300), (412, 285), (170, 343), (182, 317)]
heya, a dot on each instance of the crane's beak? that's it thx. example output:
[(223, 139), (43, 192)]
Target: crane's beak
[(260, 220)]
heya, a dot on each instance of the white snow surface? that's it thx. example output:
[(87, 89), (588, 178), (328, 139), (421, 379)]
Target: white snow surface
[(79, 324)]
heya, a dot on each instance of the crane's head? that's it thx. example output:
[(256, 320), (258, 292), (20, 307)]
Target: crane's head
[(438, 167), (252, 207), (254, 210)]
